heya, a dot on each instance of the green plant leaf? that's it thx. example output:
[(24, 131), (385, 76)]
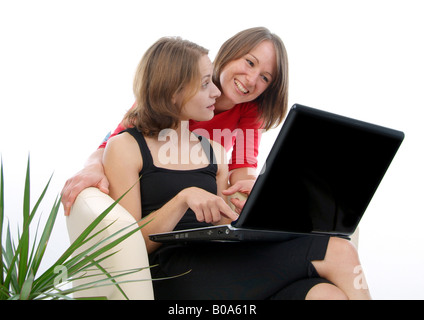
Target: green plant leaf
[(9, 257), (16, 275), (104, 282), (80, 261), (20, 262), (87, 256), (2, 293), (82, 238), (27, 286), (24, 239), (111, 278), (44, 239)]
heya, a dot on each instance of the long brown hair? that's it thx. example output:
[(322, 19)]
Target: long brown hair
[(168, 67), (273, 103)]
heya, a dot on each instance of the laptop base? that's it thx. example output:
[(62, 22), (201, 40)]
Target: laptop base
[(228, 233)]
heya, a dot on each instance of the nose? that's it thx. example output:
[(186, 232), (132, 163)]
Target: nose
[(252, 77), (215, 92)]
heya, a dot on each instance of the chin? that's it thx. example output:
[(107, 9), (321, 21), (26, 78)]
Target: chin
[(206, 117)]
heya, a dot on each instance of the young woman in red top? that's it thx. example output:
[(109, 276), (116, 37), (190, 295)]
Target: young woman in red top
[(251, 71)]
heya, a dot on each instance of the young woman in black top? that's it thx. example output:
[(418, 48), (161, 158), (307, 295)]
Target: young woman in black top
[(182, 178)]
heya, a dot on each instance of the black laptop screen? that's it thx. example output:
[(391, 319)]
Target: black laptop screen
[(321, 174)]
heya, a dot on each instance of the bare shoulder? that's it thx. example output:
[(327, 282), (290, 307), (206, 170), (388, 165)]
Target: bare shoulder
[(125, 148)]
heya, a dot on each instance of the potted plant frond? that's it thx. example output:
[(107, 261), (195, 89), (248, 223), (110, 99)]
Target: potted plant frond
[(21, 256)]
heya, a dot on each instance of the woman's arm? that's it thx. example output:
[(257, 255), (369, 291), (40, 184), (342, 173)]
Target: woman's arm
[(222, 175), (92, 175), (239, 174), (122, 163), (245, 152), (241, 180)]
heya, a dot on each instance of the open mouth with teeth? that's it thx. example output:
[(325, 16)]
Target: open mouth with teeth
[(241, 87)]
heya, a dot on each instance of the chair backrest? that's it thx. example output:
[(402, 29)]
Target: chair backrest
[(132, 253)]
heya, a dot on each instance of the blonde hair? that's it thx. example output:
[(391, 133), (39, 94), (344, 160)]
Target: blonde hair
[(168, 67), (273, 103)]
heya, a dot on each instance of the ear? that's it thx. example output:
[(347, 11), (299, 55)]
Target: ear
[(177, 98), (174, 99)]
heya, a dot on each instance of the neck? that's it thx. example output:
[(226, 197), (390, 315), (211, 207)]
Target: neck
[(179, 141), (223, 104), (179, 136), (183, 128)]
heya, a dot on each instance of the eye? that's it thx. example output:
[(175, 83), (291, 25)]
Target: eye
[(250, 63), (205, 84), (265, 78)]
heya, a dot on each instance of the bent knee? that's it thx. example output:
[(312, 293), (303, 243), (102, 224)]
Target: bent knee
[(341, 256), (342, 247), (326, 291)]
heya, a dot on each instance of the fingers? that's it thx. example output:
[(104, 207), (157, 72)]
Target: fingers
[(211, 215), (79, 182), (231, 190), (207, 214), (212, 211), (227, 212), (69, 194), (243, 186), (65, 199), (238, 204), (104, 186)]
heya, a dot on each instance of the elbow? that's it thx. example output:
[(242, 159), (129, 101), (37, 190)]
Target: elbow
[(152, 246)]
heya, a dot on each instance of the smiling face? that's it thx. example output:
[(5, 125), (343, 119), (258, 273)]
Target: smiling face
[(246, 78), (200, 107)]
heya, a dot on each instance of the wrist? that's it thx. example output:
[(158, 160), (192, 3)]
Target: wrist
[(95, 161), (182, 198), (94, 166), (242, 174)]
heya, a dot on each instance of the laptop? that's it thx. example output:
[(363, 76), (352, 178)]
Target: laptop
[(318, 179)]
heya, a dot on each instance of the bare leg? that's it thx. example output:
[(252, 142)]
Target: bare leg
[(325, 291), (341, 266)]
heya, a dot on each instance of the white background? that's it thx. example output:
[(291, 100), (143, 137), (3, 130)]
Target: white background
[(66, 71)]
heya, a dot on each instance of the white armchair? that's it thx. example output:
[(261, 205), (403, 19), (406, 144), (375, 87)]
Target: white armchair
[(132, 252)]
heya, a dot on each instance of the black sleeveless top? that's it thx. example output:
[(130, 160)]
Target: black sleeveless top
[(159, 185)]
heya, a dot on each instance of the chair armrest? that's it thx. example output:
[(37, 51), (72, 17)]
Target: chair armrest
[(131, 254)]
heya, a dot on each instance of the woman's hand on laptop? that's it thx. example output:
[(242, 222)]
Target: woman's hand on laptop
[(207, 206), (239, 192)]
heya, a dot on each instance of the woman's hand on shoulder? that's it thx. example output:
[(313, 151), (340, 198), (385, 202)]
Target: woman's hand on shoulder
[(92, 175)]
